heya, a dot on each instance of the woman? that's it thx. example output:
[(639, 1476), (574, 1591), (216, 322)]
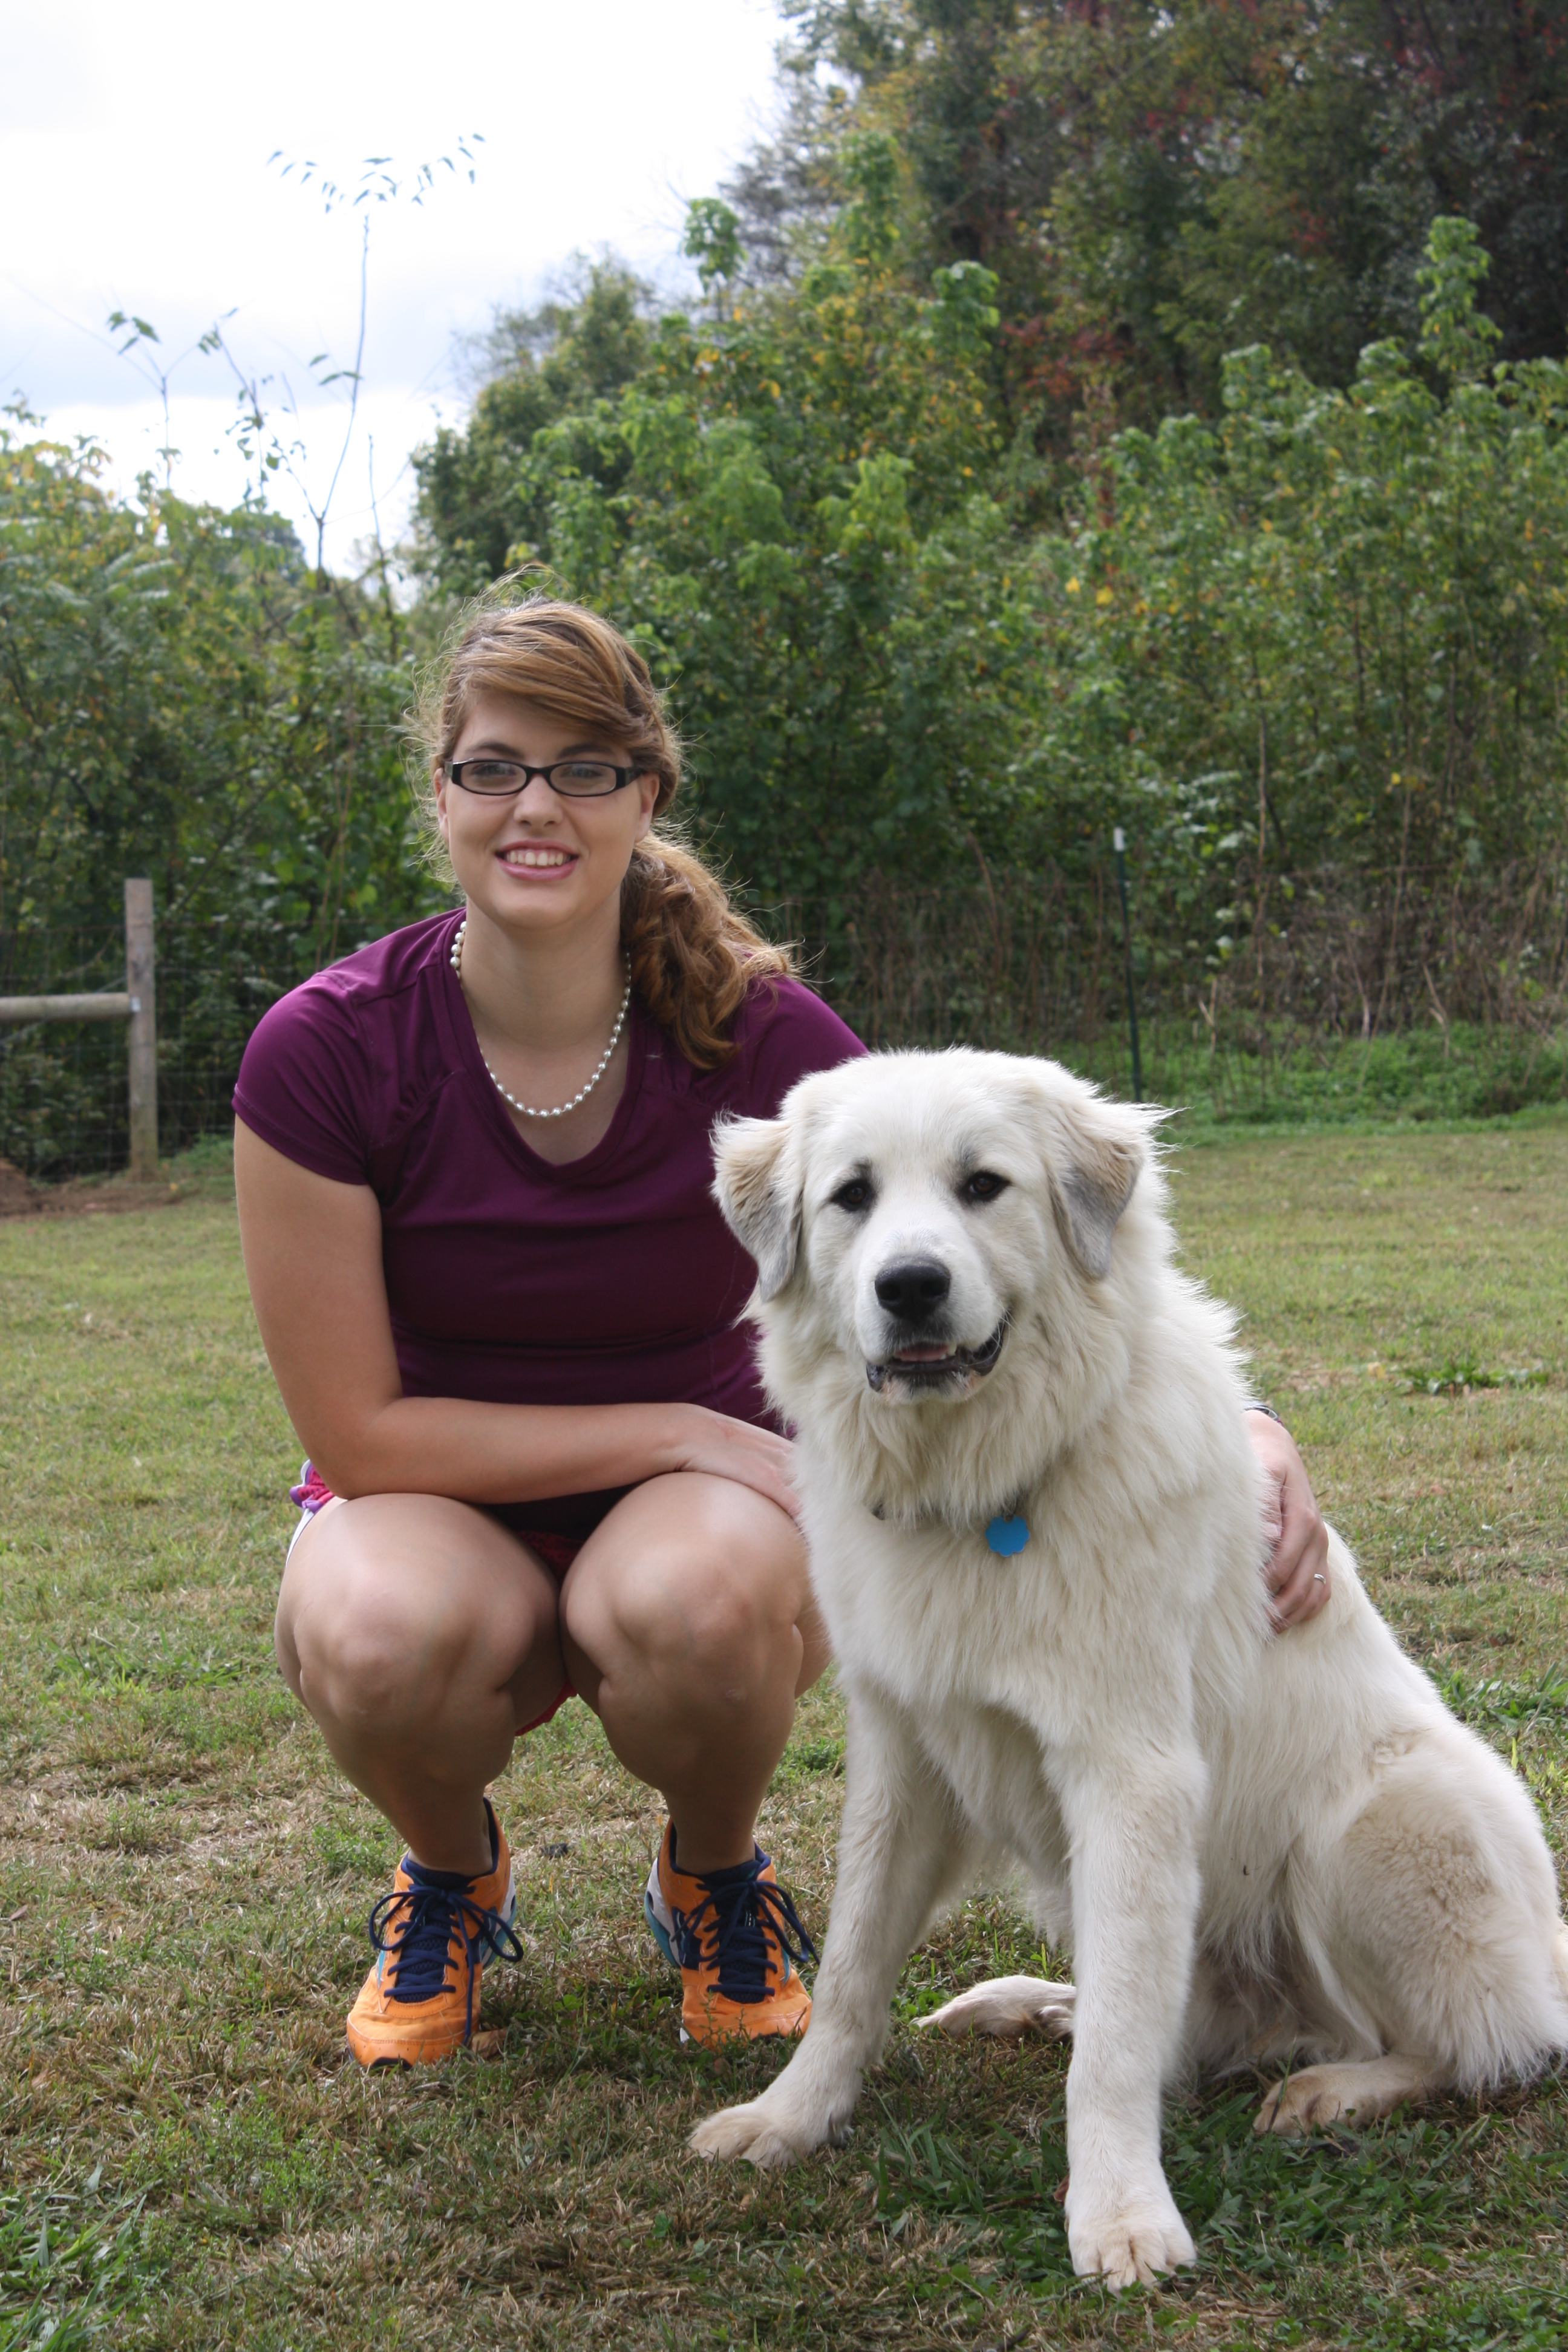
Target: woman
[(473, 1172)]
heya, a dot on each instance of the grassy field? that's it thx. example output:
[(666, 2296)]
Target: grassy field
[(192, 2160), (1426, 1077)]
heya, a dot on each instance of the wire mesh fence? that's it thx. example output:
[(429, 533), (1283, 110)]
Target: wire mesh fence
[(1028, 961), (1021, 961), (63, 1095), (904, 968)]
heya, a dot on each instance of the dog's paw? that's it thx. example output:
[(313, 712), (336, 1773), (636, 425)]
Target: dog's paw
[(762, 2134), (1294, 2104), (1009, 2007), (1320, 2095), (1131, 2248)]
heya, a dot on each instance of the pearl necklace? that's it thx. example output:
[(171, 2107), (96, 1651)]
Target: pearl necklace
[(561, 1110)]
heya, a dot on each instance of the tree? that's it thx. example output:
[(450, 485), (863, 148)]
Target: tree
[(1156, 184), (179, 699), (784, 509), (535, 366), (1317, 644)]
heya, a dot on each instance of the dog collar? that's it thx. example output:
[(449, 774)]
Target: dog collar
[(1005, 1535)]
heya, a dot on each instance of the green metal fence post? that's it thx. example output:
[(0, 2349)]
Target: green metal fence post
[(1119, 843)]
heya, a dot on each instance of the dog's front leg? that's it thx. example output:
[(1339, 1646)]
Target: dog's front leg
[(898, 1844), (1134, 1826)]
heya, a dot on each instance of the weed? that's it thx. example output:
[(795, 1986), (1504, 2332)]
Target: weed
[(1513, 1708), (71, 2266)]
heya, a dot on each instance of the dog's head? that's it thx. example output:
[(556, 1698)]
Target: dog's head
[(931, 1231)]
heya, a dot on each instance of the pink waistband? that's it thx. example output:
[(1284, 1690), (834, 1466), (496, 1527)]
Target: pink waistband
[(313, 1490)]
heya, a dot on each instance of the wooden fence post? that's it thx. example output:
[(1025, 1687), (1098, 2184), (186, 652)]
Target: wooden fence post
[(141, 988)]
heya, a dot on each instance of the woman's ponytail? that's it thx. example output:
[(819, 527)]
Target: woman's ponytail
[(692, 957)]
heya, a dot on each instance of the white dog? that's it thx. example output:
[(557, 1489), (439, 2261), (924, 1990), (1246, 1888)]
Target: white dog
[(1034, 1525)]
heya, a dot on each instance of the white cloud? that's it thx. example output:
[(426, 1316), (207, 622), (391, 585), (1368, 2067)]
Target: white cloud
[(134, 176)]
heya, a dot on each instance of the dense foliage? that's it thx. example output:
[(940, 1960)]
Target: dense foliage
[(1095, 414), (1157, 183), (183, 693), (1306, 651), (179, 698), (784, 504), (1324, 638)]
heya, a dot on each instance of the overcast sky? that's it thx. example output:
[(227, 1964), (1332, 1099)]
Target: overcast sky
[(134, 139)]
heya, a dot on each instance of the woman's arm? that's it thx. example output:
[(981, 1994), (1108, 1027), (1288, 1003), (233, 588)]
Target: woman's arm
[(312, 1257), (1297, 1569)]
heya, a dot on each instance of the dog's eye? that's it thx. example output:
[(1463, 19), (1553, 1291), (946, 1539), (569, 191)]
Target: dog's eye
[(983, 1186), (856, 1194)]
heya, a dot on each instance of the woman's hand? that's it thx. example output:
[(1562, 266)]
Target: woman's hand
[(1297, 1573), (723, 1448)]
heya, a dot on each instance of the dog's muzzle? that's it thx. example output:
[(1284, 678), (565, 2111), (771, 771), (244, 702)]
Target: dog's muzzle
[(930, 1369)]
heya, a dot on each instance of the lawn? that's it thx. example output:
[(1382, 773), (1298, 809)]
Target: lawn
[(192, 2158)]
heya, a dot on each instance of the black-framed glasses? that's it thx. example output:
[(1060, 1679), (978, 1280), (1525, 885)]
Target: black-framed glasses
[(575, 780)]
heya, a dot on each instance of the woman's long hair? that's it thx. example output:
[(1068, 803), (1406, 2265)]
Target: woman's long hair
[(691, 955)]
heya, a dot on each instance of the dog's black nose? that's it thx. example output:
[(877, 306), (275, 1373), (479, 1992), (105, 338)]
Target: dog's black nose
[(913, 1289)]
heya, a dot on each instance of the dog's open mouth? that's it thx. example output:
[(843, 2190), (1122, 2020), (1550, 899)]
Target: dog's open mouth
[(933, 1367)]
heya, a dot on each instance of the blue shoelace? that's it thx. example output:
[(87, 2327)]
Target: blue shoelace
[(734, 1905), (416, 1925)]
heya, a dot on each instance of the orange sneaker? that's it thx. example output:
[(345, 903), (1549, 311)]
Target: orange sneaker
[(728, 1934), (431, 1934)]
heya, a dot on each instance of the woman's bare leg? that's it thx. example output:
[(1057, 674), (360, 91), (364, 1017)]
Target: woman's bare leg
[(688, 1625), (420, 1634)]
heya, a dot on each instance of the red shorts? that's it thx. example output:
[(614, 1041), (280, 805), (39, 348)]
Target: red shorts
[(557, 1551)]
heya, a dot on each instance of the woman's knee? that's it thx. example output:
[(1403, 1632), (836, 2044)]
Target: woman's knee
[(719, 1622), (368, 1655), (382, 1635)]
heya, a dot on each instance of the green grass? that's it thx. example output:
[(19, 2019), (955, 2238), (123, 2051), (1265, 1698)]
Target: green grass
[(191, 2159), (1303, 1081)]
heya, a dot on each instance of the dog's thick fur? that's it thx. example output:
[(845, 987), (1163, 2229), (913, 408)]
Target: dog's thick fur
[(1269, 1850)]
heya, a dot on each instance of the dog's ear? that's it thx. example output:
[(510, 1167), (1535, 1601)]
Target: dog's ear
[(757, 1185), (1096, 1154)]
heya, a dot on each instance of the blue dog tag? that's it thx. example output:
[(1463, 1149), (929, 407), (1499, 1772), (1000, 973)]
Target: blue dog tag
[(1007, 1536)]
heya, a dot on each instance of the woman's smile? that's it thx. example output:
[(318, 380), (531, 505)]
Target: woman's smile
[(532, 859)]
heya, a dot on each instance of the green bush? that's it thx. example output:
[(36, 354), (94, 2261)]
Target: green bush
[(179, 698)]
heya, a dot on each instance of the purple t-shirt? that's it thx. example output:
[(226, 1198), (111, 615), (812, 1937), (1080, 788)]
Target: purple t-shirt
[(611, 1280)]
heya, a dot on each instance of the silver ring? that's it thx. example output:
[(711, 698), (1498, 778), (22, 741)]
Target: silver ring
[(1318, 1577)]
